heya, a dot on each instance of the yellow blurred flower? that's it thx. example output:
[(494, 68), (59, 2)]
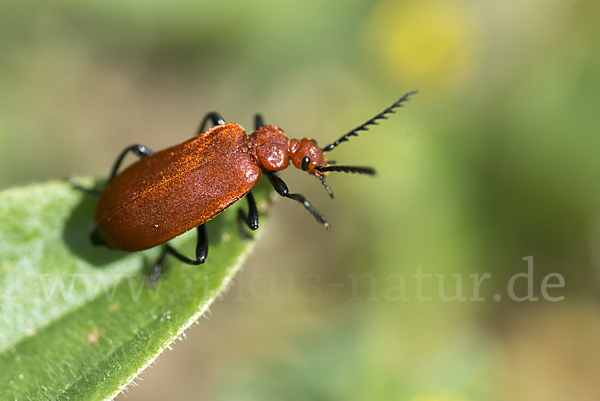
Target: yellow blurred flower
[(424, 41)]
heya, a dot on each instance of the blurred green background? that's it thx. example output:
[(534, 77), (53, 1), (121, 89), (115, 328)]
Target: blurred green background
[(494, 161)]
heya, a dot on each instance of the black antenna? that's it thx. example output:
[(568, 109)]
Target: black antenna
[(346, 169), (373, 121), (325, 185)]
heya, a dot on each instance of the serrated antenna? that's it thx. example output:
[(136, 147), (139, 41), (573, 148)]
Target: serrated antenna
[(372, 121)]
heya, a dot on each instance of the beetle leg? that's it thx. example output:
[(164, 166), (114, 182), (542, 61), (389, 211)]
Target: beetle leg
[(201, 254), (139, 150), (251, 219), (258, 122), (282, 189), (201, 248), (214, 117)]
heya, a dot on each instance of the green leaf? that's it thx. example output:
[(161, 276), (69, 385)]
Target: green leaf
[(80, 322)]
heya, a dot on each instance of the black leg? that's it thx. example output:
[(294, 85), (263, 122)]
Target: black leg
[(139, 150), (214, 118), (201, 249), (283, 190), (250, 219), (201, 253), (258, 122)]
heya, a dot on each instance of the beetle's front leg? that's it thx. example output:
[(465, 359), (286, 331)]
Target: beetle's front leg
[(282, 189)]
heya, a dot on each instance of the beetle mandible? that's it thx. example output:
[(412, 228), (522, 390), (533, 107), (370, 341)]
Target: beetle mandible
[(167, 193)]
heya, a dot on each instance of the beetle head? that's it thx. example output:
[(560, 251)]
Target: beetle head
[(306, 155)]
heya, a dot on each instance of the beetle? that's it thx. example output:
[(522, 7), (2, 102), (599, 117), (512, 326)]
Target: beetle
[(167, 193)]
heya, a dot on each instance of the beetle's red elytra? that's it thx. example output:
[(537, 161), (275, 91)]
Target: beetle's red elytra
[(179, 188), (167, 193)]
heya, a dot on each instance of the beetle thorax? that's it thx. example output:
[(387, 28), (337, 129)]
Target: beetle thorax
[(270, 147)]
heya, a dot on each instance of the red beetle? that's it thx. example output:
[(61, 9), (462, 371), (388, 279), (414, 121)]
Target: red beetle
[(167, 193)]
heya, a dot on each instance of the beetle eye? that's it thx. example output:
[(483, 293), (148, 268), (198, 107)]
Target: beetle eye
[(305, 163)]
